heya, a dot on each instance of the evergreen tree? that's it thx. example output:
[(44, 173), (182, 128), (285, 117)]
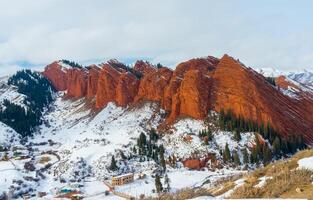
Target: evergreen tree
[(142, 140), (267, 154), (123, 155), (153, 136), (276, 147), (167, 182), (258, 149), (254, 158), (226, 154), (237, 135), (113, 165), (162, 159), (159, 65), (209, 134), (245, 156), (236, 158), (158, 184)]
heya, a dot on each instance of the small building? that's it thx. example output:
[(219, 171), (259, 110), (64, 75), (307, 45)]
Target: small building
[(122, 179)]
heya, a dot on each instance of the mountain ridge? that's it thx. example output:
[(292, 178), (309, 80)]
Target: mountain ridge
[(193, 89)]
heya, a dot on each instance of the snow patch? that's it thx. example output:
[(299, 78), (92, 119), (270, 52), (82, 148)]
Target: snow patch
[(306, 163)]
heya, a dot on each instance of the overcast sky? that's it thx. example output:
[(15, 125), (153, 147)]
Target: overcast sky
[(267, 33)]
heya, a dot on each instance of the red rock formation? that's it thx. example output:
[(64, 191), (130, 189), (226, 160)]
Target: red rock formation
[(192, 89), (77, 82), (188, 92), (197, 164), (282, 82), (57, 75), (248, 94), (144, 67), (127, 89), (116, 85), (74, 80), (152, 85), (92, 82), (193, 164), (301, 95)]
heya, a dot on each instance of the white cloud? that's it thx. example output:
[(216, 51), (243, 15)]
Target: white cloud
[(169, 31), (6, 70)]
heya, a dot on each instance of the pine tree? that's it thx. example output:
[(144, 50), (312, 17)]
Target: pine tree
[(267, 154), (209, 134), (245, 156), (167, 182), (162, 159), (258, 148), (142, 141), (236, 158), (276, 147), (158, 184), (226, 154), (254, 155), (123, 155), (153, 136), (237, 135), (113, 165)]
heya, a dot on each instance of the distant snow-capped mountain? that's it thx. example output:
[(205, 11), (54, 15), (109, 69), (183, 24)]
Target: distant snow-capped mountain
[(305, 77)]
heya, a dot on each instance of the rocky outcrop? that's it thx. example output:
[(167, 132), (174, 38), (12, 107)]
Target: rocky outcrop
[(144, 67), (92, 81), (199, 163), (283, 83), (77, 82), (71, 79), (193, 89), (195, 164), (57, 75), (249, 95), (152, 85), (187, 94), (116, 85)]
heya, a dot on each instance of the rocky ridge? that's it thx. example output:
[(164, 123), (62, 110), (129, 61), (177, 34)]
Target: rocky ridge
[(191, 90)]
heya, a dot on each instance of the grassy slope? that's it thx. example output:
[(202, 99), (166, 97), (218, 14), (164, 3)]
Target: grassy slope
[(286, 180)]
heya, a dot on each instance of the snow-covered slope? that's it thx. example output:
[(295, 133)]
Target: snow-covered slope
[(74, 146), (305, 78), (7, 135), (270, 72), (10, 93)]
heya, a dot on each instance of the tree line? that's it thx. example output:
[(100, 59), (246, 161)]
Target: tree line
[(274, 145), (38, 93)]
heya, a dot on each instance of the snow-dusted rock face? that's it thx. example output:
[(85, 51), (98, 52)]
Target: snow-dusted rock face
[(305, 78)]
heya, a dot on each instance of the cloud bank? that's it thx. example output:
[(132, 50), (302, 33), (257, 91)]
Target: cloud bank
[(266, 33)]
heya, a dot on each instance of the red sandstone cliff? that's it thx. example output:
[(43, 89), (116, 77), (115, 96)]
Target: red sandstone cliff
[(57, 75), (116, 85), (77, 82), (248, 94), (152, 85), (192, 89), (188, 91), (92, 81), (144, 67)]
